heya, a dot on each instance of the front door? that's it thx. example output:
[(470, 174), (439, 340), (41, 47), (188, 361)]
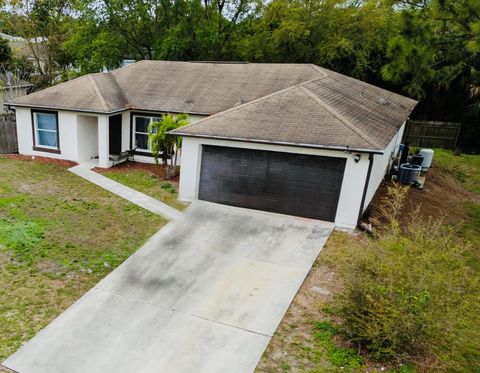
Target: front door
[(115, 134)]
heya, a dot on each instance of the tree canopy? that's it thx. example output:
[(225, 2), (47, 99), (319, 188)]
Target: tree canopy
[(426, 49)]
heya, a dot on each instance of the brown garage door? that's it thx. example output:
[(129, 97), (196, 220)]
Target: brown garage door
[(293, 184)]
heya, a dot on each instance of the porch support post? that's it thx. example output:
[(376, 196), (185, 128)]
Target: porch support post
[(103, 142)]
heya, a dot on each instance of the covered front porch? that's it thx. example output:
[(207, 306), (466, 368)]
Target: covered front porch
[(102, 138)]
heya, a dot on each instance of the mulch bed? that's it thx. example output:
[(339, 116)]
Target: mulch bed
[(34, 158), (153, 169)]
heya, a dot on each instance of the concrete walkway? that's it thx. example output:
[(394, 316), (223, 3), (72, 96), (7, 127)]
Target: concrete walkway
[(204, 294), (138, 198)]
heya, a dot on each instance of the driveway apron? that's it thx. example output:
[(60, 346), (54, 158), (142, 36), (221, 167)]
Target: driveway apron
[(204, 294)]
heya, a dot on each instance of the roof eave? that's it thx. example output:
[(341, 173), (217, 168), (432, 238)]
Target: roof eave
[(49, 107), (285, 143), (170, 111), (13, 104)]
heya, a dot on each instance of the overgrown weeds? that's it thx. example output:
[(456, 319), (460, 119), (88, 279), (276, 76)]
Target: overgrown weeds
[(409, 293)]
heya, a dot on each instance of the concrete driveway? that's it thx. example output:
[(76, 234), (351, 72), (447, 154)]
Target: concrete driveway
[(204, 294)]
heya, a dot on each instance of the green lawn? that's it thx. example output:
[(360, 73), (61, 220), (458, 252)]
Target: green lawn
[(150, 184), (59, 235), (465, 168)]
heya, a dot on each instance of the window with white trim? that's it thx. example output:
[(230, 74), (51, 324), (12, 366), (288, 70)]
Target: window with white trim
[(140, 131), (45, 130)]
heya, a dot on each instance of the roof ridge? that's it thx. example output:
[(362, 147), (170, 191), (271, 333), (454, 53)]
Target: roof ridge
[(340, 117), (250, 102), (120, 89), (98, 93), (319, 69)]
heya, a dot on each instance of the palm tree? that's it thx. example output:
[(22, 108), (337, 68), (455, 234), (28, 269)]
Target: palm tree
[(164, 146)]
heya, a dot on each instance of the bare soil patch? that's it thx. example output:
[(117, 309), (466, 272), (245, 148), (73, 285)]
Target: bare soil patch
[(442, 197)]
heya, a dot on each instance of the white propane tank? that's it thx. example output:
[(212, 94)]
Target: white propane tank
[(427, 158)]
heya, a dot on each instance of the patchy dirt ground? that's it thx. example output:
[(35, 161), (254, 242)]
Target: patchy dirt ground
[(291, 346), (442, 197)]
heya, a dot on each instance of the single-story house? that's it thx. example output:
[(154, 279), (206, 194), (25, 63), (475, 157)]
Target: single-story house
[(289, 138)]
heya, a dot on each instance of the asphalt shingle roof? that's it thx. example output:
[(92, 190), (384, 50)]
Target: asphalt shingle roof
[(334, 111), (299, 104), (191, 87)]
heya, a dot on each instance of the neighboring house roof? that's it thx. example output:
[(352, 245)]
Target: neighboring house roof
[(191, 87), (13, 83), (334, 111), (11, 38)]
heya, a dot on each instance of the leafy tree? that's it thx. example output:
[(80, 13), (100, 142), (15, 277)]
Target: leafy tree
[(165, 146), (436, 55), (5, 52), (167, 29), (349, 37), (14, 63), (44, 25), (92, 47)]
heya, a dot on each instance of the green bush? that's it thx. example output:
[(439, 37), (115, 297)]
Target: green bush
[(409, 294)]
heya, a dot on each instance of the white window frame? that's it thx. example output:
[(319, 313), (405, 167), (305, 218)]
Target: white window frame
[(36, 130), (134, 129)]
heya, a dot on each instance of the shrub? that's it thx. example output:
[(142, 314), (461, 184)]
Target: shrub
[(409, 293)]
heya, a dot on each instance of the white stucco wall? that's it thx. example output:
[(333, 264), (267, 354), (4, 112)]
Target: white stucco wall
[(87, 134), (125, 131), (67, 127), (380, 165), (78, 135), (352, 186)]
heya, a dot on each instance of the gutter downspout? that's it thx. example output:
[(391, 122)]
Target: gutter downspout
[(365, 188)]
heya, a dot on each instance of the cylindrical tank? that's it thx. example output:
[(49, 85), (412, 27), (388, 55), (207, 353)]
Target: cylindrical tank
[(427, 158), (409, 173)]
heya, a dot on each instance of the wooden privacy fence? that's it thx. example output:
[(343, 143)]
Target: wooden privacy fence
[(431, 134), (8, 134)]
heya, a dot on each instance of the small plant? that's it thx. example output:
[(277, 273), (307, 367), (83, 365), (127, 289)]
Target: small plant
[(165, 146), (324, 333), (390, 208), (166, 186)]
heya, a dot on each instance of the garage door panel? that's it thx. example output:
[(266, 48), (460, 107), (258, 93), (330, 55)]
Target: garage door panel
[(303, 185)]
